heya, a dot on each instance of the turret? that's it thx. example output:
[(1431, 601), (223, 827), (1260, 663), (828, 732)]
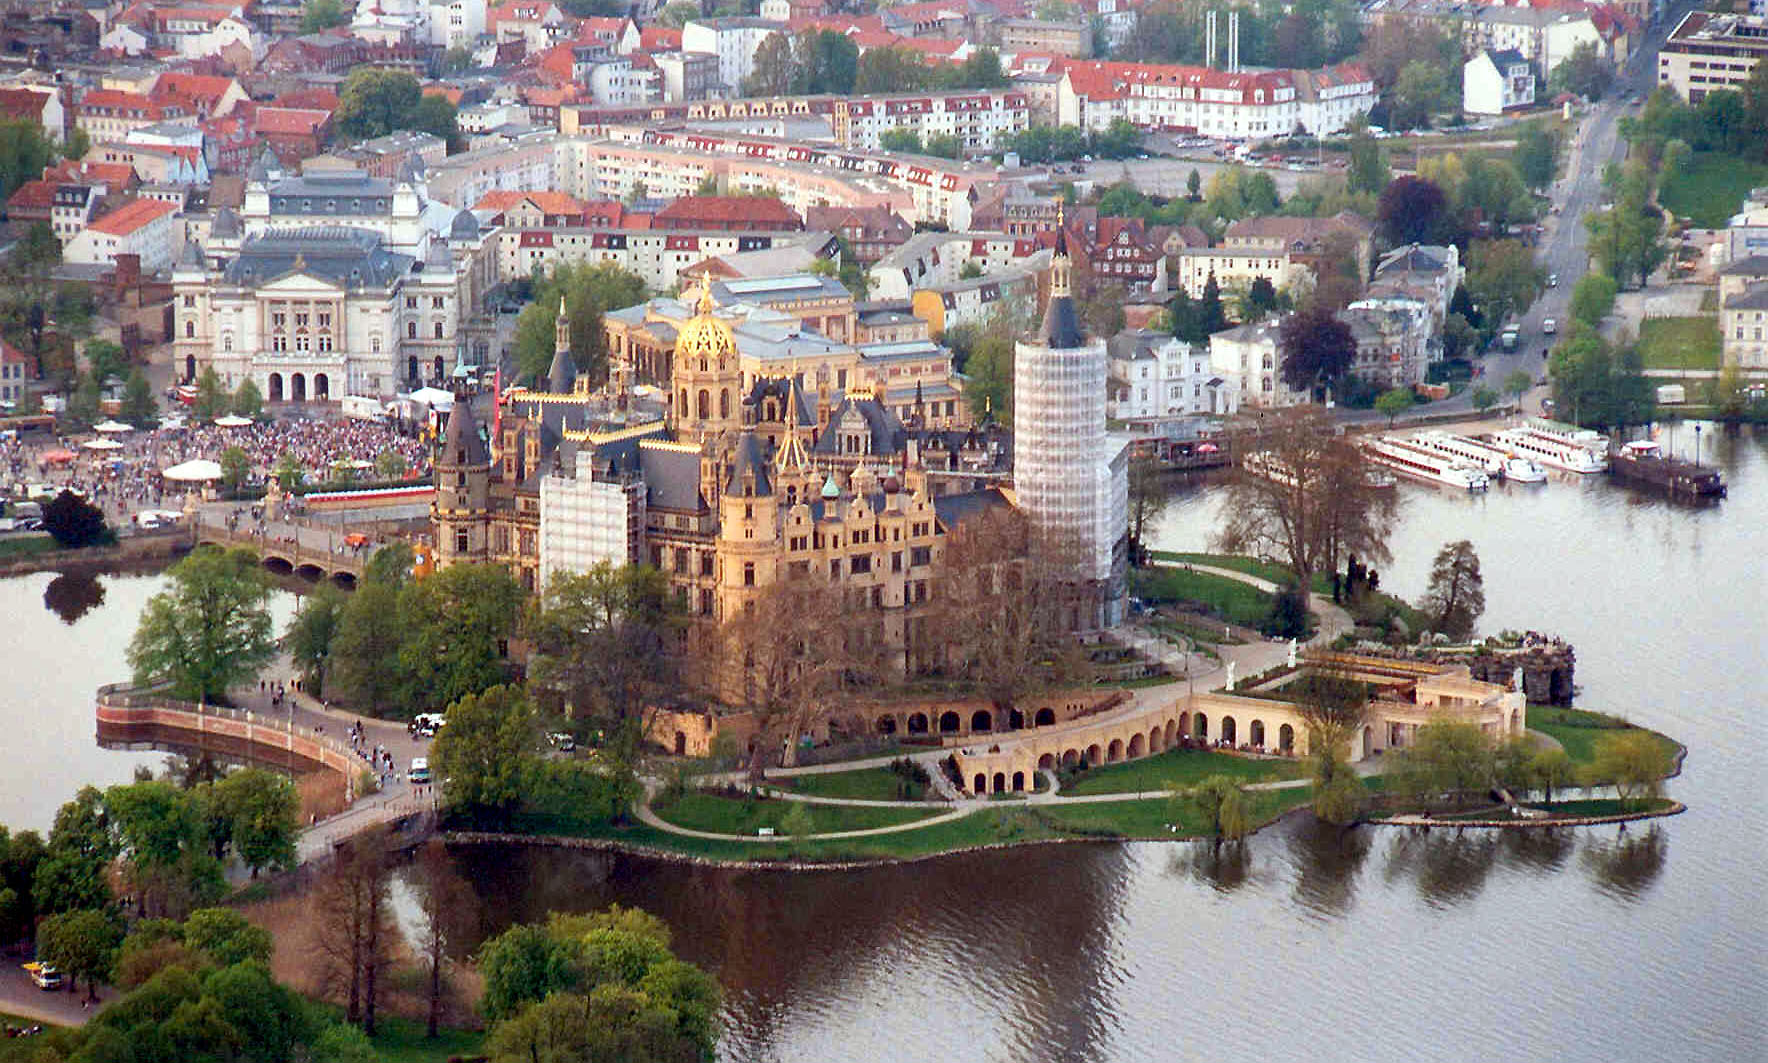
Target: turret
[(463, 486)]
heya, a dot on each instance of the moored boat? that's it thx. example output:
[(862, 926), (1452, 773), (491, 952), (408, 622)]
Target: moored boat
[(1644, 462), (1553, 451), (1409, 459)]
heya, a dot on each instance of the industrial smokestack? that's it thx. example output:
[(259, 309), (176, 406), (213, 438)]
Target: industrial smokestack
[(1234, 42), (1209, 24)]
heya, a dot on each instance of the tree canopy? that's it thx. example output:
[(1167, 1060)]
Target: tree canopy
[(210, 629), (375, 101), (589, 290), (1317, 348)]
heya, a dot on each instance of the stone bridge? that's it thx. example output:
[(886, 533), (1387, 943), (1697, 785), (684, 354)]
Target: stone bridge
[(310, 554), (128, 716)]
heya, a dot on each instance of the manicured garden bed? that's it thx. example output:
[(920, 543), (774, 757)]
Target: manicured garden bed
[(864, 784)]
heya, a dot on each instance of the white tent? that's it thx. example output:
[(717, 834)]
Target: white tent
[(194, 471), (113, 427), (435, 398), (102, 444), (232, 421)]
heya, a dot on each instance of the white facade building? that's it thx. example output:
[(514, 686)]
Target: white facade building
[(734, 40), (457, 23), (1252, 356), (977, 119), (585, 521), (144, 227), (1156, 375), (1494, 82)]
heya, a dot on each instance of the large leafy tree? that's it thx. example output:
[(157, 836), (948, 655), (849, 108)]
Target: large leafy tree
[(1457, 595), (210, 630), (364, 652), (484, 754), (74, 522), (1411, 210), (72, 871), (1583, 73), (773, 68), (456, 627), (138, 406), (588, 291), (885, 70), (1503, 278), (312, 633), (1317, 348), (262, 814), (1537, 154), (24, 151), (164, 847), (826, 61), (375, 101), (82, 943)]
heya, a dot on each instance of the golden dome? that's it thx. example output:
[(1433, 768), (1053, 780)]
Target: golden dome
[(704, 335)]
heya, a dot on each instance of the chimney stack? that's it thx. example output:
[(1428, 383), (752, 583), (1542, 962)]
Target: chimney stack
[(1209, 30)]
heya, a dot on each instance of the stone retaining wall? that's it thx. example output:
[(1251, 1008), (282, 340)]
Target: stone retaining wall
[(1676, 808)]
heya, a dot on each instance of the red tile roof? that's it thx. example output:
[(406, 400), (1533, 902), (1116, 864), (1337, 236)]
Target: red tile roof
[(1105, 80), (689, 210), (32, 194), (114, 174), (126, 101), (23, 103), (132, 216), (290, 121), (174, 86), (549, 202), (13, 356), (659, 39)]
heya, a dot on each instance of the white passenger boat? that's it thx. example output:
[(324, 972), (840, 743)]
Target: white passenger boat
[(1553, 451), (1495, 460), (1409, 459)]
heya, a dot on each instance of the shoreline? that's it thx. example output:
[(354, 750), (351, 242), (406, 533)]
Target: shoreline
[(127, 555)]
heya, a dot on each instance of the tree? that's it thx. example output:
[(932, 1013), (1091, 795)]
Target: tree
[(988, 371), (74, 522), (72, 872), (1261, 300), (354, 930), (888, 70), (312, 633), (456, 626), (900, 139), (1148, 498), (982, 70), (1421, 90), (338, 1043), (1503, 279), (364, 657), (1411, 210), (375, 101), (772, 69), (1457, 595), (1518, 382), (1394, 402), (211, 398), (166, 855), (436, 114), (1194, 186), (1325, 512), (317, 15), (24, 151), (1317, 349), (441, 892), (1582, 73), (1448, 756), (1636, 762), (1537, 154), (524, 965), (825, 61), (210, 630), (248, 401), (483, 754), (138, 406), (1593, 298), (1598, 387), (1211, 318), (1222, 805), (1333, 708), (236, 465), (588, 292), (456, 60), (82, 943), (678, 13), (1368, 165), (38, 247), (1627, 239), (79, 142), (1484, 399), (944, 146), (262, 811), (1552, 769), (1120, 140), (227, 937)]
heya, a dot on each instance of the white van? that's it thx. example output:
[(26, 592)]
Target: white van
[(362, 408), (420, 771)]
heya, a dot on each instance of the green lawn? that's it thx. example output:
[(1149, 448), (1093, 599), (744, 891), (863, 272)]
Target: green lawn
[(1229, 599), (866, 784), (1712, 188), (399, 1040), (1252, 566), (1178, 768), (728, 815), (25, 546), (1679, 342), (1579, 730), (1150, 819)]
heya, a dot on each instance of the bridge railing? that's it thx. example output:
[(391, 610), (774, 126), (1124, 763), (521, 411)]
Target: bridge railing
[(339, 559)]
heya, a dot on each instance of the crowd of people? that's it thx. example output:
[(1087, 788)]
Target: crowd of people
[(318, 446)]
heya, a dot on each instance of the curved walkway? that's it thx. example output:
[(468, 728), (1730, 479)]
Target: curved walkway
[(649, 817)]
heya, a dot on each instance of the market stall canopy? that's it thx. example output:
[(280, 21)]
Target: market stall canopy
[(232, 421), (113, 427), (436, 397), (59, 456), (102, 444), (194, 471)]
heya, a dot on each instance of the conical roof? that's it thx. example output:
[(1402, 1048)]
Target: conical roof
[(750, 462), (462, 436)]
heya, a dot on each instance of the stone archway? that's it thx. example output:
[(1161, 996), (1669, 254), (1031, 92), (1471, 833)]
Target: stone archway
[(440, 373), (1047, 762), (297, 387), (1229, 730), (1095, 755), (1368, 741), (1018, 781), (275, 387), (1136, 747), (1172, 727), (1255, 732), (1070, 758), (918, 723), (190, 368), (949, 723), (1044, 718), (1015, 720), (411, 370), (681, 744), (1114, 751), (1286, 738), (1000, 782), (981, 720), (981, 786), (321, 388), (1200, 727), (886, 725)]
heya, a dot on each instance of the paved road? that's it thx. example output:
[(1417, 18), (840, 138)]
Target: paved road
[(19, 996)]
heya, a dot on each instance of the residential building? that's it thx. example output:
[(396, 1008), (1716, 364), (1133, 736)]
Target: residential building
[(1069, 475), (1495, 82), (1250, 356), (144, 228), (734, 40), (978, 119), (1392, 343), (530, 210), (1743, 312), (107, 114), (1708, 51), (688, 75), (1155, 376), (203, 95), (1429, 274), (40, 104), (292, 133), (718, 213), (1210, 102), (1308, 242), (868, 233), (1544, 34), (1055, 37), (15, 374), (391, 155), (464, 179), (662, 257)]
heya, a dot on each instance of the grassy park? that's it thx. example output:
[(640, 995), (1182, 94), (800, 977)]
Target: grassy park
[(1579, 730), (743, 815), (1176, 769), (1679, 342), (1233, 601), (1710, 188), (863, 784)]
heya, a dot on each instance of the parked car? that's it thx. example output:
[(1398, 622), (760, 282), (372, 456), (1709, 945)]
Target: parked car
[(45, 976), (1552, 280), (1549, 326)]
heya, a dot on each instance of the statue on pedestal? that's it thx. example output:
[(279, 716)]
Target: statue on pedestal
[(1230, 675), (1292, 653)]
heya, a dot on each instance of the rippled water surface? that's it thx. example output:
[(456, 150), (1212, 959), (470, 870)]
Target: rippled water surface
[(1305, 943)]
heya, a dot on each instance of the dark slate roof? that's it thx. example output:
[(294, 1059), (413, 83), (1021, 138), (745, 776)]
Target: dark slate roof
[(885, 428), (346, 256), (777, 387), (1753, 266), (672, 478), (1061, 329), (1507, 58), (464, 227), (191, 256), (750, 462), (332, 192), (1755, 298), (463, 431), (562, 373), (226, 223), (955, 509)]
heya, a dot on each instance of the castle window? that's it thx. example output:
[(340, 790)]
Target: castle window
[(706, 564), (681, 561), (748, 573), (460, 541), (438, 330), (896, 561), (411, 330), (860, 563), (834, 568), (460, 479)]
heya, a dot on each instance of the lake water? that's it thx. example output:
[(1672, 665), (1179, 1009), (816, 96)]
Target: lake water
[(1304, 943)]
